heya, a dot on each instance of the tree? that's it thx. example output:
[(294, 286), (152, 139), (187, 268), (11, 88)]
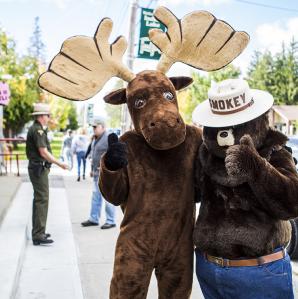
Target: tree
[(198, 91), (114, 111), (22, 85), (277, 74), (72, 117), (37, 47), (63, 114)]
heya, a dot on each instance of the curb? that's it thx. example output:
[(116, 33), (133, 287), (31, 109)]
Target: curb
[(11, 196), (55, 267), (13, 239), (295, 267)]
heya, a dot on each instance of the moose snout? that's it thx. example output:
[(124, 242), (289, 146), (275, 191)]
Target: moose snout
[(170, 122), (225, 138), (164, 130)]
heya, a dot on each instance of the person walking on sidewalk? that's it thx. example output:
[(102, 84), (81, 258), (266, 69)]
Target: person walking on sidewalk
[(39, 154), (98, 148), (66, 153), (79, 147)]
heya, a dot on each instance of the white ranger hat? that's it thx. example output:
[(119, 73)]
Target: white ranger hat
[(231, 102), (41, 109)]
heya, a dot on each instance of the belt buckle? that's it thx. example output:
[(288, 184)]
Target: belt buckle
[(219, 261)]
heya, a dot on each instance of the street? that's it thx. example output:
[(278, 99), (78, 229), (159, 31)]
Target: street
[(80, 262)]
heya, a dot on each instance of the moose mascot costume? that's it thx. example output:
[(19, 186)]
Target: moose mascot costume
[(150, 171), (249, 189)]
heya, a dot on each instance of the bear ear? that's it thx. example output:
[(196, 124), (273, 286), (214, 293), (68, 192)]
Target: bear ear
[(180, 82), (116, 97)]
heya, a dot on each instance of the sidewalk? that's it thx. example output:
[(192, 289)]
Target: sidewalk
[(96, 247), (8, 188), (52, 271), (80, 262), (28, 271)]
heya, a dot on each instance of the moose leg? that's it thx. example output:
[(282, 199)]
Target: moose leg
[(132, 273), (175, 275)]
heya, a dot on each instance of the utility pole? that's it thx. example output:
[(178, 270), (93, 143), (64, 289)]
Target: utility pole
[(125, 117)]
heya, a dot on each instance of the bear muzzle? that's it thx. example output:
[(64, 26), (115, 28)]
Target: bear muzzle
[(225, 138)]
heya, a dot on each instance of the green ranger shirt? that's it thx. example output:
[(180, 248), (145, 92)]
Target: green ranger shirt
[(36, 138)]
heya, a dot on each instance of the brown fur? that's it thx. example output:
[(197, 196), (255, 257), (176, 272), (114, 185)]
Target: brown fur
[(156, 194), (248, 195)]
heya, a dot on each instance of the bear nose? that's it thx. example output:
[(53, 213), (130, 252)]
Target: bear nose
[(224, 134)]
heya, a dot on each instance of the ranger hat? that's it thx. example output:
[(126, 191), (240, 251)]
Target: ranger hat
[(41, 109), (231, 102)]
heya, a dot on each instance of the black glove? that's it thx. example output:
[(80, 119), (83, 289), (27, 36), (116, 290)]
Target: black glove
[(116, 156)]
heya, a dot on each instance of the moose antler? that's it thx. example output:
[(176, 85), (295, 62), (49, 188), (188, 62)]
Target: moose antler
[(199, 40), (85, 64)]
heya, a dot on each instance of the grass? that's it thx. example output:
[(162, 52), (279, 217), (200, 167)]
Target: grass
[(55, 146)]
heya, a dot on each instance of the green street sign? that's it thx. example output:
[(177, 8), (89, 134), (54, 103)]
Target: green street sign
[(90, 109), (146, 48)]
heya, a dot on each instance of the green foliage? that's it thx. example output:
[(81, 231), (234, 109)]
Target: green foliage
[(37, 47), (198, 91), (72, 117), (24, 89), (22, 84), (277, 74), (63, 114), (114, 111), (114, 115), (56, 145)]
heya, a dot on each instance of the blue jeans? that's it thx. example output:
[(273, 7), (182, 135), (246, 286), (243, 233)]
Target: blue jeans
[(268, 281), (67, 155), (80, 158), (96, 205)]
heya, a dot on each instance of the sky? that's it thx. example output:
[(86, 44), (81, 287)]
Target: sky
[(267, 26)]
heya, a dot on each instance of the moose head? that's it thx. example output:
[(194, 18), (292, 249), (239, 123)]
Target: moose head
[(84, 65)]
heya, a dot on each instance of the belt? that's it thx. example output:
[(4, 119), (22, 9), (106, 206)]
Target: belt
[(42, 163), (246, 262)]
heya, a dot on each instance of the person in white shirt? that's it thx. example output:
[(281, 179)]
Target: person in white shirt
[(79, 147)]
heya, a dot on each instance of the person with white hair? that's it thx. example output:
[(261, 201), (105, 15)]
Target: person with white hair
[(98, 148)]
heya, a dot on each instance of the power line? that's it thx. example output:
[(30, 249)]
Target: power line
[(268, 6)]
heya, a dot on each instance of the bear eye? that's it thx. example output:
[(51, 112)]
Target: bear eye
[(140, 103), (168, 96)]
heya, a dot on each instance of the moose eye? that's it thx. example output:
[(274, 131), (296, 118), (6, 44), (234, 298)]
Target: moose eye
[(168, 96), (140, 103)]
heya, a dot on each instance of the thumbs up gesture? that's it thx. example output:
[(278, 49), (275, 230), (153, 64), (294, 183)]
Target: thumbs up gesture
[(241, 160), (116, 155)]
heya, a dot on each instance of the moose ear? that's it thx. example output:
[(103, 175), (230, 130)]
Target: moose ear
[(116, 97), (180, 82)]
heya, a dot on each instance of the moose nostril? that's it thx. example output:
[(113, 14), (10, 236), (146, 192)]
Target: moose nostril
[(178, 120), (223, 134), (152, 124)]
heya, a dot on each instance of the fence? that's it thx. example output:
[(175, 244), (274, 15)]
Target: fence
[(6, 158)]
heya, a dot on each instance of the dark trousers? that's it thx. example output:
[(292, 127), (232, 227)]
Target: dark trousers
[(40, 202)]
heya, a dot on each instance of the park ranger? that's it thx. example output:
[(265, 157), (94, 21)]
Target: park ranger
[(40, 158)]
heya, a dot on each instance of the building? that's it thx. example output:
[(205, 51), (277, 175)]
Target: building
[(285, 118)]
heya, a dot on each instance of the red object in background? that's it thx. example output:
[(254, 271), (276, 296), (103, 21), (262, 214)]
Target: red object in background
[(12, 139), (4, 94)]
